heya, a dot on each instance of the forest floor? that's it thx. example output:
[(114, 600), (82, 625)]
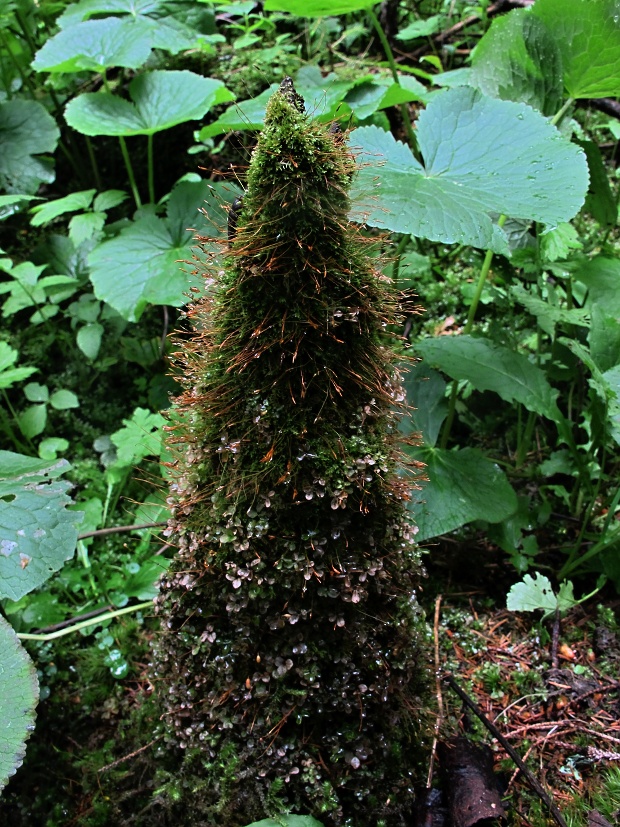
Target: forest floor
[(550, 687)]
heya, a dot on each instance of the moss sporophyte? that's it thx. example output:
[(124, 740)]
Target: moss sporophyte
[(289, 666)]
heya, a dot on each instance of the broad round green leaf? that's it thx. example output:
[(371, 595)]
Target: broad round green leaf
[(50, 447), (519, 60), (85, 9), (26, 130), (587, 33), (94, 45), (37, 534), (159, 100), (482, 157), (323, 95), (462, 486), (319, 8), (491, 367), (143, 264), (19, 695), (127, 41)]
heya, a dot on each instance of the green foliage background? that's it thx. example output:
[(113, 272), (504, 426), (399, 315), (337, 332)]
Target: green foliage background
[(494, 176)]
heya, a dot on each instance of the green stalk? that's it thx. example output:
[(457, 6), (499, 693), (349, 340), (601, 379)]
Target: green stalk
[(526, 437), (82, 554), (5, 424), (555, 120), (93, 163), (125, 153), (402, 244), (484, 272), (151, 172), (93, 621), (394, 69), (25, 78), (13, 413), (22, 25), (69, 156), (132, 180)]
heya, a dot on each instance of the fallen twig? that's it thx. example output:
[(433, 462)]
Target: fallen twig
[(529, 777), (439, 719), (131, 755), (118, 529)]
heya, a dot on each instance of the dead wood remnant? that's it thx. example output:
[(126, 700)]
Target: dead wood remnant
[(289, 668)]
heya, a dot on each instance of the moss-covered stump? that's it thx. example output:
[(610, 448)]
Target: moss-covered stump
[(289, 665)]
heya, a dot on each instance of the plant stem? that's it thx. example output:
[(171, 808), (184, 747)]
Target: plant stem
[(555, 120), (402, 244), (86, 623), (119, 529), (597, 548), (394, 69), (132, 180), (24, 27), (69, 156), (5, 424), (151, 173), (7, 402), (93, 163), (26, 80), (484, 272), (125, 153)]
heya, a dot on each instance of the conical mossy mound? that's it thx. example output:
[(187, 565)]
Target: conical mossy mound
[(289, 665)]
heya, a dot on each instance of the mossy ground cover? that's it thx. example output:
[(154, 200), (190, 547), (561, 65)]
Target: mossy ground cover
[(290, 663)]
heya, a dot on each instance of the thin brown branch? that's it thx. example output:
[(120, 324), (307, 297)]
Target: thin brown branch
[(119, 529), (439, 719), (529, 777), (494, 8), (64, 623), (131, 755)]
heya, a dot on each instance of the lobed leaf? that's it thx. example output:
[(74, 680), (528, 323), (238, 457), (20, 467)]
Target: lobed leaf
[(159, 100), (531, 594), (482, 157), (9, 374), (94, 45), (143, 264)]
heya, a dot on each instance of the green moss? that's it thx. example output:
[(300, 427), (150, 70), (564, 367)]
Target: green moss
[(290, 630)]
